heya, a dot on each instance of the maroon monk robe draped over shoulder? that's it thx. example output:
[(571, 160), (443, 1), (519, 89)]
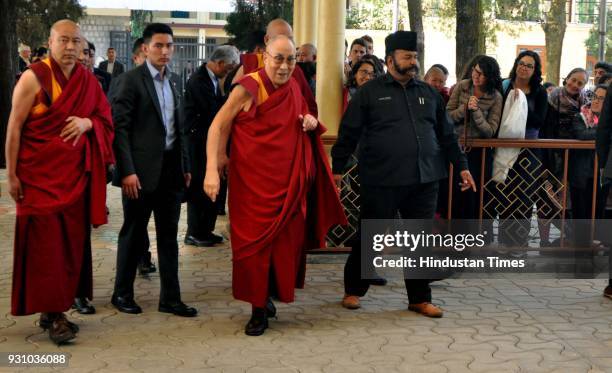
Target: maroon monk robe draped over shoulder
[(252, 62), (64, 189), (282, 198)]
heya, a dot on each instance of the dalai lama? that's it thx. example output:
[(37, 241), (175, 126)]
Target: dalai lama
[(282, 199), (254, 61)]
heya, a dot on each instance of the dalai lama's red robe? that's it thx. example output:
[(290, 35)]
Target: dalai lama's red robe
[(64, 189), (252, 62), (282, 198)]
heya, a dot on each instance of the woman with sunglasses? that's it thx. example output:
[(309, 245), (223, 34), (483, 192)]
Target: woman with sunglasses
[(366, 69), (526, 76)]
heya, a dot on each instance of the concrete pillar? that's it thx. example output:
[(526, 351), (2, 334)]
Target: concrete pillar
[(308, 21), (297, 21), (330, 57)]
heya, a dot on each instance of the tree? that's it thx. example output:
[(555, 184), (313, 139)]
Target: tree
[(469, 35), (415, 12), (554, 26), (370, 15), (8, 67), (250, 18), (37, 16), (492, 11), (138, 22)]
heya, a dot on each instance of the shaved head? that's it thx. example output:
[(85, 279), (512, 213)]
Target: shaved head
[(278, 27), (65, 43), (64, 25), (307, 53)]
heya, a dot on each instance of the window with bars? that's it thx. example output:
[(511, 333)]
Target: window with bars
[(218, 16), (179, 14), (587, 11)]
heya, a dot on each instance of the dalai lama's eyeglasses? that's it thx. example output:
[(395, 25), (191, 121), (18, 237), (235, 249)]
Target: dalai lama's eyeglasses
[(279, 59)]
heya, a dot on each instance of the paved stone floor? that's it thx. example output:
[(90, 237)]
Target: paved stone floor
[(489, 325)]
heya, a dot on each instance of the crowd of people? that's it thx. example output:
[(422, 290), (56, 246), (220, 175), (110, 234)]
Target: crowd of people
[(74, 127)]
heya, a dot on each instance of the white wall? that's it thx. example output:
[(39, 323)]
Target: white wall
[(97, 28)]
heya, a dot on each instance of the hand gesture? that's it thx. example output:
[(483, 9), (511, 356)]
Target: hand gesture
[(473, 103), (467, 182), (74, 128), (309, 123)]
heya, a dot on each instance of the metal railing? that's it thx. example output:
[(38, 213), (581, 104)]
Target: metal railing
[(338, 236)]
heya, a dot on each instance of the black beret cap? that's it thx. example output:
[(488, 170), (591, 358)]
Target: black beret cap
[(406, 40)]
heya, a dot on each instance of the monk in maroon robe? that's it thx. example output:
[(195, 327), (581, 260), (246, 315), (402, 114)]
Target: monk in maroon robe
[(59, 144), (254, 61), (282, 198)]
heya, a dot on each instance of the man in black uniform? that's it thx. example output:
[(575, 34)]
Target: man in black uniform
[(406, 143), (203, 99)]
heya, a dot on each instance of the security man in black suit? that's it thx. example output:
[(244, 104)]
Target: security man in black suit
[(153, 170), (406, 142), (116, 68), (203, 99)]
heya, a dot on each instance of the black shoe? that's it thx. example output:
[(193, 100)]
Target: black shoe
[(258, 323), (83, 306), (221, 211), (191, 240), (378, 281), (214, 238), (608, 292), (270, 309), (144, 268), (125, 304), (179, 309)]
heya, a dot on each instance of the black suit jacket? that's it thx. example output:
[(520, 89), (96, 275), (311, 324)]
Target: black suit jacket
[(23, 66), (118, 69), (200, 105), (103, 77), (140, 134)]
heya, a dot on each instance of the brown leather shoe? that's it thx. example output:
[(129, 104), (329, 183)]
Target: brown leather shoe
[(608, 292), (46, 320), (426, 309), (60, 331), (351, 302)]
